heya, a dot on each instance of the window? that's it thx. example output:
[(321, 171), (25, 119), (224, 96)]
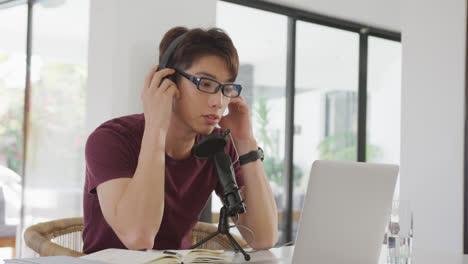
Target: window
[(383, 99), (12, 83), (328, 60), (260, 39), (325, 114), (56, 134), (384, 96)]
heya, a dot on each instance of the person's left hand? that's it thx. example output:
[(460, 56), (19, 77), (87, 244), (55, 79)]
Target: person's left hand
[(238, 120)]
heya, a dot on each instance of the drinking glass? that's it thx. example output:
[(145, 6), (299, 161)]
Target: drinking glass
[(399, 233)]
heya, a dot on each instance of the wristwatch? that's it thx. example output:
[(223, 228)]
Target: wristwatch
[(251, 156)]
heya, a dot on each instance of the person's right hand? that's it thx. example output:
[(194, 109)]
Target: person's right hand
[(158, 99)]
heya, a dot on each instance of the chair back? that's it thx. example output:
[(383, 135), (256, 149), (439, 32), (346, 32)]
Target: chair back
[(54, 238)]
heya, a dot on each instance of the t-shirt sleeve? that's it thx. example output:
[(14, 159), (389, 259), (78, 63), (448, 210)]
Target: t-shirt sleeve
[(239, 174), (108, 156)]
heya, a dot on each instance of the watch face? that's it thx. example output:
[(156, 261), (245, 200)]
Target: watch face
[(260, 153)]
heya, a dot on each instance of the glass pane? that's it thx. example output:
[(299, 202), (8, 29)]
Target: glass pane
[(325, 114), (12, 82), (55, 149), (260, 39), (384, 99)]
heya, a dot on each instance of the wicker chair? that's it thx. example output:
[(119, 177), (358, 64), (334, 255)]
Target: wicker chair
[(63, 237)]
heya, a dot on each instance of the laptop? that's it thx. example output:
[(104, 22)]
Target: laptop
[(345, 212)]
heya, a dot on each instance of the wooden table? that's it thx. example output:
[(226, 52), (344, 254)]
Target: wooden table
[(9, 242)]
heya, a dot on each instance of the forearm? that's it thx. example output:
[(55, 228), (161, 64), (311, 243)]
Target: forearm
[(261, 215), (141, 206)]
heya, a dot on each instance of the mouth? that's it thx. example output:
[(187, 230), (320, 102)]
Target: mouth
[(211, 119)]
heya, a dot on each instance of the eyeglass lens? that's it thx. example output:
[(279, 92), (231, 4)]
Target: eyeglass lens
[(210, 86)]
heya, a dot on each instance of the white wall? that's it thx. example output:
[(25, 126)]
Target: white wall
[(123, 46), (434, 33), (380, 13)]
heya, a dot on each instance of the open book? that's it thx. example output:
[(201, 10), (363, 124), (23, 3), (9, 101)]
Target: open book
[(124, 256)]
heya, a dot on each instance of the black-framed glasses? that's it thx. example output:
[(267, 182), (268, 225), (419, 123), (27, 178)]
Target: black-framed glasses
[(211, 86)]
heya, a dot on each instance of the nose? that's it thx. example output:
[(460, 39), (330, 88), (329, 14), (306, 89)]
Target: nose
[(217, 100)]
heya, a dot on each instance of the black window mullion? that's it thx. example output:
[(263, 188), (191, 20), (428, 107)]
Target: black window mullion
[(289, 126), (465, 164), (362, 96), (27, 96)]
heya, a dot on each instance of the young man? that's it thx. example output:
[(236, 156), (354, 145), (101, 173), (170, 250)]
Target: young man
[(143, 188)]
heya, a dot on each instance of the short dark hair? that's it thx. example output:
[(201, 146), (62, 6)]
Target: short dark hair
[(198, 43)]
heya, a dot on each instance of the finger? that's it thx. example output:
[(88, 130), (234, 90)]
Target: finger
[(166, 83), (158, 76), (173, 91), (240, 98), (149, 77), (235, 102), (238, 105)]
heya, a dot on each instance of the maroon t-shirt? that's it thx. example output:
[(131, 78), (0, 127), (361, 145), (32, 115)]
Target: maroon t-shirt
[(112, 152)]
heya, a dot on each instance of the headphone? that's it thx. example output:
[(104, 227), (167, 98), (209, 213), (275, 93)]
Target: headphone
[(168, 55)]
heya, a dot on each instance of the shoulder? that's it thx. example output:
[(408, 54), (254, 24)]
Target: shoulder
[(122, 131), (124, 125), (129, 123)]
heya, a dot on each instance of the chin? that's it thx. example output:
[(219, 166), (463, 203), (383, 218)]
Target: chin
[(207, 130)]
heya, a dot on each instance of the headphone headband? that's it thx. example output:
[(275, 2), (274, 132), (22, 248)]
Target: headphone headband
[(170, 50)]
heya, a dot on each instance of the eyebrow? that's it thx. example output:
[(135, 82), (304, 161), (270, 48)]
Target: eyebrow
[(212, 76)]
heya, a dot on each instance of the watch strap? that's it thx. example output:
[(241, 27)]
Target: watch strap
[(251, 156)]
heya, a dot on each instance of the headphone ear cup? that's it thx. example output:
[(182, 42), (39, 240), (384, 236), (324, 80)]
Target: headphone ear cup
[(172, 78)]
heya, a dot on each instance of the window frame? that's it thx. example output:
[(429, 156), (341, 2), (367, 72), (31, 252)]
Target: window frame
[(364, 31)]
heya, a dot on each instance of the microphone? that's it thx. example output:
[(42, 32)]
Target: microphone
[(213, 146), (231, 195), (209, 145)]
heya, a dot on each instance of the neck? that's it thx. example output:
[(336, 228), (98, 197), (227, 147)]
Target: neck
[(179, 140)]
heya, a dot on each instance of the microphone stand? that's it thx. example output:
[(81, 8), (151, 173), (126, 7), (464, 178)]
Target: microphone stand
[(223, 228), (212, 146)]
